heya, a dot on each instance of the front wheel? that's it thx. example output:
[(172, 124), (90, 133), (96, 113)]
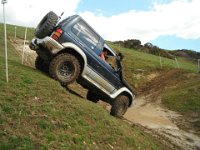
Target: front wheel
[(120, 106), (65, 68)]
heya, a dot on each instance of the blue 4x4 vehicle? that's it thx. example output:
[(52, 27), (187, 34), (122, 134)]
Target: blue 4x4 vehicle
[(70, 50)]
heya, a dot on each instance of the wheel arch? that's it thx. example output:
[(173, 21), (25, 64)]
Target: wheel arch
[(126, 92), (77, 52)]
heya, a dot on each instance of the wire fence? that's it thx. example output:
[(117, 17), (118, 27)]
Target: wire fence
[(158, 61), (22, 47)]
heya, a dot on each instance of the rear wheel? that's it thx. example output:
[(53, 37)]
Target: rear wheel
[(41, 65), (92, 97), (65, 68), (46, 25), (120, 106)]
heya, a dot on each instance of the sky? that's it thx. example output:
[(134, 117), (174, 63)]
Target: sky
[(168, 24)]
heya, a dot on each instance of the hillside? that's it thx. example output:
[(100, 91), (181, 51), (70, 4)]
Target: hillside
[(167, 96), (188, 55), (178, 87), (33, 116), (37, 113)]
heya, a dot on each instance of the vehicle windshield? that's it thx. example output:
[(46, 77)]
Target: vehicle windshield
[(112, 52)]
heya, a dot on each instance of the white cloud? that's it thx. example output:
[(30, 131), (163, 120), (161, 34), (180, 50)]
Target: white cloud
[(180, 18), (30, 12)]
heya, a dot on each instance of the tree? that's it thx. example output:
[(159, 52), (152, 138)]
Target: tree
[(133, 43)]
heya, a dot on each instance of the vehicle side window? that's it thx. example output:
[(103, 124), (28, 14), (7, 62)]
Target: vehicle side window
[(85, 34)]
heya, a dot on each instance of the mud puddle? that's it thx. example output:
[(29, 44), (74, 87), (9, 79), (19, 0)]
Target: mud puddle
[(159, 121)]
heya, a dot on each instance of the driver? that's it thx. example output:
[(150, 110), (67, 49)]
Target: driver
[(104, 53), (111, 60)]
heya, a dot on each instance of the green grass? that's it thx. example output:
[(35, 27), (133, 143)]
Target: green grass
[(20, 31), (148, 62), (186, 98), (138, 65), (180, 90), (37, 113), (10, 35)]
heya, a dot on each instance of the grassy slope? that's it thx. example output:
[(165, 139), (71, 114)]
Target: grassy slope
[(37, 113), (139, 65), (40, 112), (179, 88), (140, 60)]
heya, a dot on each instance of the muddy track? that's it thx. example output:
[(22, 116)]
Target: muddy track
[(29, 55), (146, 114), (158, 122)]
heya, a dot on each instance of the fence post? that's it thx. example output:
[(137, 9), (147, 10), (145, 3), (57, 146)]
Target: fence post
[(160, 61), (15, 32), (24, 45), (177, 63), (5, 36)]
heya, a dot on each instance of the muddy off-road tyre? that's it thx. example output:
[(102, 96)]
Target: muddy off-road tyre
[(41, 65), (46, 25), (65, 68), (120, 106), (91, 96)]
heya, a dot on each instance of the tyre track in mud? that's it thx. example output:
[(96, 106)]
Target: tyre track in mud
[(158, 121)]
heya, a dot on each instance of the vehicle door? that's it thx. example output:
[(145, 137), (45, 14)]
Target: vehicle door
[(101, 72)]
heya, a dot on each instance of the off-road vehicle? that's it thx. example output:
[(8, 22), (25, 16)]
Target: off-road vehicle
[(69, 50)]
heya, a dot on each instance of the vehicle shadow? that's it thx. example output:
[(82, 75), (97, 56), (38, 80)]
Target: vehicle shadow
[(73, 91)]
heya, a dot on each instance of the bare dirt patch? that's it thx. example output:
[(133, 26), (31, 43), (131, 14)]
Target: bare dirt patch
[(159, 121), (29, 55)]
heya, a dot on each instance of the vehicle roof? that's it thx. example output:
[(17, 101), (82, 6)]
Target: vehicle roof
[(76, 17), (69, 18)]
